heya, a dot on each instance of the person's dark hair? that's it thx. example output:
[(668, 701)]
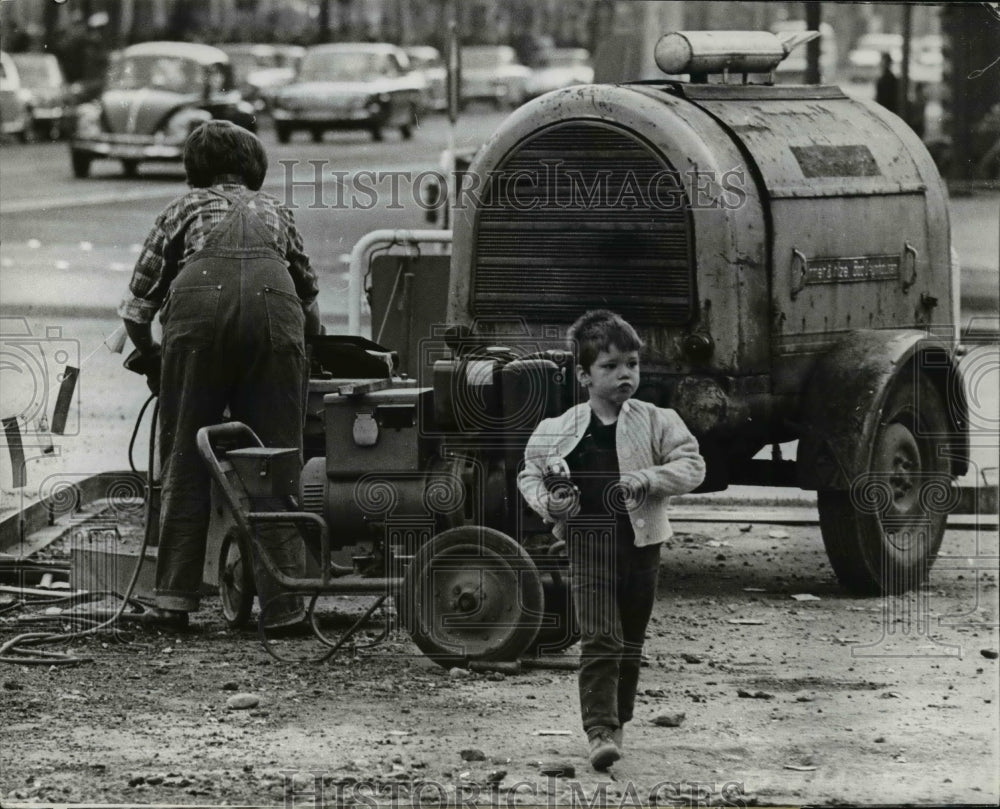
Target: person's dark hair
[(596, 331), (217, 148)]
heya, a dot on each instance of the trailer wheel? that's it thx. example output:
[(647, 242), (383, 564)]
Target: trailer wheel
[(472, 593), (559, 628), (236, 581), (883, 534), (81, 164)]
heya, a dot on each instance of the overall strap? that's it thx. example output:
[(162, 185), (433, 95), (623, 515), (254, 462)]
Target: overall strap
[(240, 229)]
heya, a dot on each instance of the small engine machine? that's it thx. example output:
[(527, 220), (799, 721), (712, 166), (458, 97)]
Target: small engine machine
[(783, 252)]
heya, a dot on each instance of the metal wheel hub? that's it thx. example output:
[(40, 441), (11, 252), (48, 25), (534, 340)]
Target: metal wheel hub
[(897, 460)]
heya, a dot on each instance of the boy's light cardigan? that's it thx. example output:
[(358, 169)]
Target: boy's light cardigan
[(656, 453)]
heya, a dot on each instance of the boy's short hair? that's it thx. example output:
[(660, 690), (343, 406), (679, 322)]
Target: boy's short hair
[(598, 330), (216, 148)]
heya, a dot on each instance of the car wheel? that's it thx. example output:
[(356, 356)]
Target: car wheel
[(317, 134), (27, 134), (376, 132), (130, 168), (406, 130), (284, 132), (81, 164)]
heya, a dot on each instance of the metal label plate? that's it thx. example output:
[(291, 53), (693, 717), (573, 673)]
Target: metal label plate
[(850, 269)]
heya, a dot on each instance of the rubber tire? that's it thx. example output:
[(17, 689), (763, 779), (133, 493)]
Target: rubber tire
[(559, 629), (406, 130), (376, 132), (283, 132), (130, 168), (317, 133), (460, 549), (237, 586), (862, 553), (81, 164)]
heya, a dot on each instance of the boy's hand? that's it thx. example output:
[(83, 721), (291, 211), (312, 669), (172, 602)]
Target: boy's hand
[(564, 497), (632, 489), (563, 494)]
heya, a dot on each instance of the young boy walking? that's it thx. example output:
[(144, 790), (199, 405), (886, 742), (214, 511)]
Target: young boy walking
[(603, 473)]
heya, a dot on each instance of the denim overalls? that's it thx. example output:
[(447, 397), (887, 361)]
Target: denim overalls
[(233, 336)]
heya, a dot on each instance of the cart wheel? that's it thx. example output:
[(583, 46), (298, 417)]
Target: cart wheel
[(236, 581), (472, 593), (559, 628), (883, 535)]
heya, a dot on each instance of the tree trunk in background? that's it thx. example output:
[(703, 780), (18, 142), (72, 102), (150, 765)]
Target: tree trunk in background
[(971, 85), (814, 18)]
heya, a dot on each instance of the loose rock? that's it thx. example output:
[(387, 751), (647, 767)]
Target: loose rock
[(989, 654), (472, 754), (669, 720), (557, 769), (241, 702), (753, 694)]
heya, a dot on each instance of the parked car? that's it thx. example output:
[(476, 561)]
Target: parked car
[(792, 69), (260, 69), (864, 62), (563, 67), (356, 85), (492, 73), (154, 94), (13, 110), (428, 62), (45, 92)]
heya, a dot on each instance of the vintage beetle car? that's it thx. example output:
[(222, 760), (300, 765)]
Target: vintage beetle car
[(351, 85), (428, 61), (45, 92), (260, 69), (153, 96), (491, 73), (13, 110)]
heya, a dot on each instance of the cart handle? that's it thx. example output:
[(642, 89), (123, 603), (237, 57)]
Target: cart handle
[(207, 439)]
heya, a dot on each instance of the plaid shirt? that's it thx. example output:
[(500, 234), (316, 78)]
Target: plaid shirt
[(180, 231)]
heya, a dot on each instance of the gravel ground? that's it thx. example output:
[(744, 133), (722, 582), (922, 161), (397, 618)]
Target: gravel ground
[(781, 689)]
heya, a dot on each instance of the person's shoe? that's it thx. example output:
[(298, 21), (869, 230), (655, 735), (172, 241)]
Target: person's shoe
[(603, 750), (618, 734)]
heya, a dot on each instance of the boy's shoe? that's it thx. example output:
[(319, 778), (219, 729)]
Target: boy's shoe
[(603, 749)]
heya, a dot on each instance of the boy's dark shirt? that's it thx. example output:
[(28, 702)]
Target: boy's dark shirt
[(593, 465)]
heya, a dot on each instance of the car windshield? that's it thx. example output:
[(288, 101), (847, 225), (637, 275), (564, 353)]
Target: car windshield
[(35, 72), (244, 63), (880, 42), (422, 61), (160, 72), (483, 58), (557, 59), (342, 66)]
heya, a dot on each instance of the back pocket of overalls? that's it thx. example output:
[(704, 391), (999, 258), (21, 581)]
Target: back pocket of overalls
[(285, 320), (190, 317)]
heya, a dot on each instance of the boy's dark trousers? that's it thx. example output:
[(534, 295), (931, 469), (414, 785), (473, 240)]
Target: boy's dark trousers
[(614, 589), (233, 336)]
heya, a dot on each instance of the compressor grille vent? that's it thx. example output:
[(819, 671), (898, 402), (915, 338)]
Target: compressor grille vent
[(312, 497), (582, 215)]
